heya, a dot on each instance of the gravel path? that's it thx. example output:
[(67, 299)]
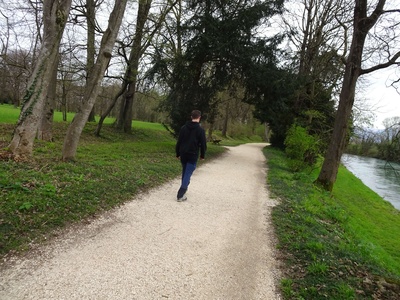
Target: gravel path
[(217, 245)]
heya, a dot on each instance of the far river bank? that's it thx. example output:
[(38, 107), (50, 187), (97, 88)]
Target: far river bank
[(380, 176)]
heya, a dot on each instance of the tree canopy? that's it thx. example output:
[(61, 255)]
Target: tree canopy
[(220, 48)]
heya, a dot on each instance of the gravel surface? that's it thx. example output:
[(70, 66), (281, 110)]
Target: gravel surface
[(219, 244)]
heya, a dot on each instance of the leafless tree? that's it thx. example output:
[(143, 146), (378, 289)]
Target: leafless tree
[(317, 30), (55, 15), (87, 10), (125, 118), (142, 39), (20, 24), (94, 84), (379, 25)]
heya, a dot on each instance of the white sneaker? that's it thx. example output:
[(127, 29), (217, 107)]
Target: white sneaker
[(184, 198)]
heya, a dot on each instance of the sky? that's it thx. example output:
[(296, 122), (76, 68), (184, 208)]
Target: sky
[(384, 100)]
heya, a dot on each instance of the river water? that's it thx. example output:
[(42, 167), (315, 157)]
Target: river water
[(377, 175)]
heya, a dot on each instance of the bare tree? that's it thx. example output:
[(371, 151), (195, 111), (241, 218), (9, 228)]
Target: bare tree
[(20, 23), (315, 28), (91, 50), (15, 69), (4, 39), (55, 15), (94, 84), (125, 119), (87, 9), (138, 48), (317, 32), (366, 18)]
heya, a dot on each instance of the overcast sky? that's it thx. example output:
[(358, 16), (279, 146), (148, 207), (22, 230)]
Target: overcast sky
[(385, 100)]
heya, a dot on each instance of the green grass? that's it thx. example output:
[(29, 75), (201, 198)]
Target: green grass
[(147, 125), (8, 114), (342, 245), (41, 196), (375, 222)]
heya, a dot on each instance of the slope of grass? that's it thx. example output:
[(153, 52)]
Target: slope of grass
[(335, 246), (375, 222)]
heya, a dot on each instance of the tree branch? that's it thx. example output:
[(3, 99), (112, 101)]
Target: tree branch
[(390, 62), (391, 11)]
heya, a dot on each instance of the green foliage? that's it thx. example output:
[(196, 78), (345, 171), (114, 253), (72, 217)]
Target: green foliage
[(219, 46), (245, 131), (272, 92), (282, 97), (336, 246), (371, 150), (390, 149), (301, 148)]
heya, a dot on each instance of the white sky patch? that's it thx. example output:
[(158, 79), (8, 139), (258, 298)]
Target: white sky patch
[(384, 98)]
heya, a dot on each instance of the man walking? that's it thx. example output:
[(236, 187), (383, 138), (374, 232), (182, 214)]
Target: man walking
[(191, 141)]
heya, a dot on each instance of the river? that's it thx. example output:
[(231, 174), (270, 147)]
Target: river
[(377, 175)]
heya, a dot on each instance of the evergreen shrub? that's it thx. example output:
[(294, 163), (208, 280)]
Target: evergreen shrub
[(301, 148)]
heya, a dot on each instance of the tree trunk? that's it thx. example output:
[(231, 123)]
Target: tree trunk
[(125, 120), (120, 119), (361, 26), (267, 132), (93, 86), (330, 167), (64, 109), (226, 119), (55, 15), (91, 52), (108, 110), (210, 132), (45, 128)]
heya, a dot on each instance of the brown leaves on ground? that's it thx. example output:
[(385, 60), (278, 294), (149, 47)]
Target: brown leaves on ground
[(6, 155)]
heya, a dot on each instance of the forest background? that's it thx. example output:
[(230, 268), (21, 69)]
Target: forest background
[(282, 63)]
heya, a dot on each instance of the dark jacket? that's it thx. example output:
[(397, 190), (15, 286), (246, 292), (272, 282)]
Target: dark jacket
[(191, 141)]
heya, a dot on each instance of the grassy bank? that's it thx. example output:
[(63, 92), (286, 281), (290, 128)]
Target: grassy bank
[(46, 194), (342, 245)]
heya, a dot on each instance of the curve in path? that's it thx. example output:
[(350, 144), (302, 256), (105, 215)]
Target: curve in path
[(217, 245)]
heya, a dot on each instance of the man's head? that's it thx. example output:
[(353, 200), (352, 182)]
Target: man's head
[(195, 115)]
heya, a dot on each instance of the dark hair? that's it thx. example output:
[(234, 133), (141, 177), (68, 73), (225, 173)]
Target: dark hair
[(195, 114)]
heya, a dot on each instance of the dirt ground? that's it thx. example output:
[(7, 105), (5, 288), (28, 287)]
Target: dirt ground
[(219, 244)]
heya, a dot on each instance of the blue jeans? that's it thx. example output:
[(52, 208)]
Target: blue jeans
[(188, 168)]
